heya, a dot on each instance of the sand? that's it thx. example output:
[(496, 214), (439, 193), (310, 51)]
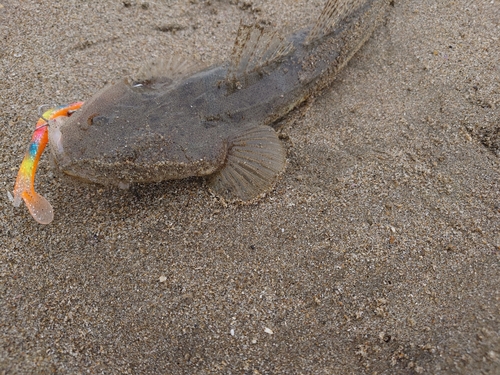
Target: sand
[(377, 252)]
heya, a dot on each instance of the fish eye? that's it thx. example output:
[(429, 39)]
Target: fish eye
[(96, 119)]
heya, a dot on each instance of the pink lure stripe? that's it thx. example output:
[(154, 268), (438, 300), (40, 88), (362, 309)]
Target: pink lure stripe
[(39, 207)]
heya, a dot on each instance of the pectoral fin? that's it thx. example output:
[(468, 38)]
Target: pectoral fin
[(254, 161)]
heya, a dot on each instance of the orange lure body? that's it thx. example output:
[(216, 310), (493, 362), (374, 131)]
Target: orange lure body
[(24, 189)]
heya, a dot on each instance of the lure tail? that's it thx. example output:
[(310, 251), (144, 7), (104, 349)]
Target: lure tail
[(24, 189)]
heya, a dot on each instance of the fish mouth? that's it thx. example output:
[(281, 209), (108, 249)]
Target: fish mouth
[(59, 156), (55, 135)]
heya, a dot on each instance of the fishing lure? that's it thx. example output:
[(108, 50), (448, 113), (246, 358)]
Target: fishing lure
[(24, 189)]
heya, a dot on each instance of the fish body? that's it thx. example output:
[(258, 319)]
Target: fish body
[(175, 120), (163, 127)]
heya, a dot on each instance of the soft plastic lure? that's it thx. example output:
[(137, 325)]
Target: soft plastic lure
[(39, 207)]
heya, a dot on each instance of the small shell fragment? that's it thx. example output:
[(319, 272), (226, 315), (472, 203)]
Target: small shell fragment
[(268, 330)]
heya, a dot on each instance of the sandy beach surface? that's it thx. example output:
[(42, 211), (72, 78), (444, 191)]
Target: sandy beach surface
[(377, 252)]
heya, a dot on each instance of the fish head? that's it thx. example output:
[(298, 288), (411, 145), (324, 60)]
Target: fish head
[(128, 133), (75, 141)]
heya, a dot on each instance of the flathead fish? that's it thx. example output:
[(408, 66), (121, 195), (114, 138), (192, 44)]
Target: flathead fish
[(175, 120)]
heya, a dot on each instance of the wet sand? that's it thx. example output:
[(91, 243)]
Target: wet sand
[(377, 252)]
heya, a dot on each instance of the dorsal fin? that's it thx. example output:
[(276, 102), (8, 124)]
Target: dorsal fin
[(333, 12), (255, 48), (171, 69)]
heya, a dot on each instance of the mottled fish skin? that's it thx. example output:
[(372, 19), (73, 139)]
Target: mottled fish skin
[(171, 127)]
